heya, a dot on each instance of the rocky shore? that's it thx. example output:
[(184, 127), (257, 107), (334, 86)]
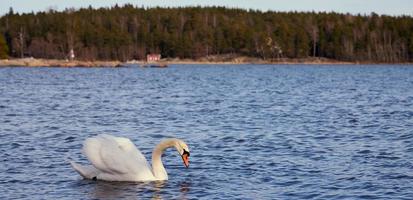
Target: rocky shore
[(230, 59)]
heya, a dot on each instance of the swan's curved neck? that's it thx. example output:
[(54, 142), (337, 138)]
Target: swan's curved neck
[(157, 166)]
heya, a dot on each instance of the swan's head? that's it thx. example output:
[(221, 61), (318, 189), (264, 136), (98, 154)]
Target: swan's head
[(183, 151)]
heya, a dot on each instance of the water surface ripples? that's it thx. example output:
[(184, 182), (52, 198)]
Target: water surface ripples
[(255, 131)]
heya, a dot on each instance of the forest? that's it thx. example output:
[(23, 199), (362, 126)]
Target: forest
[(129, 32)]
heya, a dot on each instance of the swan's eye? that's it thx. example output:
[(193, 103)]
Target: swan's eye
[(185, 152)]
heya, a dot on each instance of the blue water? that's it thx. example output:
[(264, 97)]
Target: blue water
[(254, 131)]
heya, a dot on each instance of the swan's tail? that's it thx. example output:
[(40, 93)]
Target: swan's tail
[(88, 172)]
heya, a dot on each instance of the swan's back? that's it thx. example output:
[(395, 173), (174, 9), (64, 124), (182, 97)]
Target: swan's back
[(117, 158)]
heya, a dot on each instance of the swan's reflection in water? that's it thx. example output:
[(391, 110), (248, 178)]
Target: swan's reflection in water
[(115, 190), (154, 190), (157, 189), (184, 189)]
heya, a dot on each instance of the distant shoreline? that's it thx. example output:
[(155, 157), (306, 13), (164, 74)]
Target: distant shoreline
[(34, 62)]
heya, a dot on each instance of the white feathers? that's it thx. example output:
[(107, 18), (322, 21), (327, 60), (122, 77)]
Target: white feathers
[(88, 172), (115, 159), (118, 159)]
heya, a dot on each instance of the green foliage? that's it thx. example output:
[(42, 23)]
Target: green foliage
[(128, 32), (4, 49)]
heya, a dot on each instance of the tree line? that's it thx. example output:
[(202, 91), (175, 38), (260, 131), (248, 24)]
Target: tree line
[(130, 32)]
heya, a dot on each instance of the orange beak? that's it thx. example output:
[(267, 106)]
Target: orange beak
[(185, 158)]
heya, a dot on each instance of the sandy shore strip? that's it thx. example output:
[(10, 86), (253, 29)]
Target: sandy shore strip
[(34, 62)]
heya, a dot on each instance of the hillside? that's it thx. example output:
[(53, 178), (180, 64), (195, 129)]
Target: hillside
[(128, 32)]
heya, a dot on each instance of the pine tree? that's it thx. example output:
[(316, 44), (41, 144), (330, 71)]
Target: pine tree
[(4, 49)]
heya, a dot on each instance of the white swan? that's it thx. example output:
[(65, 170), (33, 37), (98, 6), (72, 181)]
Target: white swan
[(118, 159)]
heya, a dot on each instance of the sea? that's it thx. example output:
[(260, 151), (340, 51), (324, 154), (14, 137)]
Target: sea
[(254, 131)]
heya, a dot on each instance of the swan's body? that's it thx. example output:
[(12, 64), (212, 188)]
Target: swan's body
[(118, 159)]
